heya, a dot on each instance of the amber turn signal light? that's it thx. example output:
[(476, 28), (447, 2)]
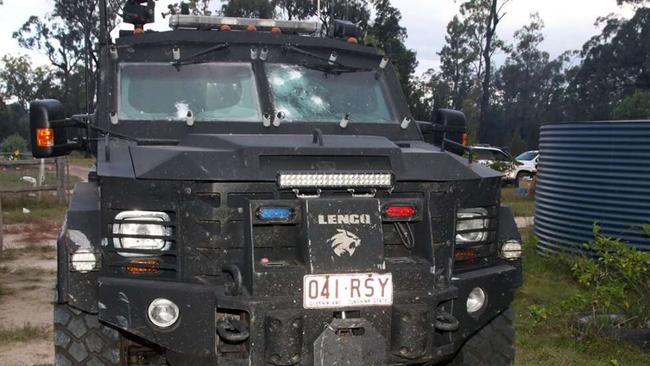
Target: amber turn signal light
[(44, 137), (465, 139), (143, 266)]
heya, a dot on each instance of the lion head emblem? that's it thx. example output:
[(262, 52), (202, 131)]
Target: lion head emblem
[(344, 242)]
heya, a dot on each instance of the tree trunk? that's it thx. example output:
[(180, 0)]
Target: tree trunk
[(485, 126)]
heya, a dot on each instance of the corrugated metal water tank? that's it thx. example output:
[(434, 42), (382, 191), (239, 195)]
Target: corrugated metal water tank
[(593, 172)]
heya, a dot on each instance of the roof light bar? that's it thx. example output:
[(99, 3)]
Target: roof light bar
[(213, 22), (335, 180)]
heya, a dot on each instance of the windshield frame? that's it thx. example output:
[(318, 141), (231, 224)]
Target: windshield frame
[(256, 90), (157, 47)]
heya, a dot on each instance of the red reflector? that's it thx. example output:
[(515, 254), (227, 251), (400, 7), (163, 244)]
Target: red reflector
[(400, 212)]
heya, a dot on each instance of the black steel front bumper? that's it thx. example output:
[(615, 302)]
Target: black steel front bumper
[(283, 333)]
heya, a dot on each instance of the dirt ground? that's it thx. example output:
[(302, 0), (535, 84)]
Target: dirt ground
[(27, 278)]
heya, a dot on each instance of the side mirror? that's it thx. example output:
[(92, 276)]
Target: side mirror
[(48, 129), (446, 124)]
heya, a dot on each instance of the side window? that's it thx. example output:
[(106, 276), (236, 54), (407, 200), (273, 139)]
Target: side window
[(500, 156), (481, 154)]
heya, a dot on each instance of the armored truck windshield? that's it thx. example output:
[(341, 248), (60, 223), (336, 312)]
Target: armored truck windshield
[(302, 94), (228, 92), (211, 91)]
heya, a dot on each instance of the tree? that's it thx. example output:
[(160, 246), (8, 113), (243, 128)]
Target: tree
[(530, 88), (296, 9), (355, 11), (635, 3), (456, 60), (614, 66), (482, 18), (23, 82), (196, 7), (13, 120), (387, 32), (634, 106), (248, 8), (62, 44), (66, 37)]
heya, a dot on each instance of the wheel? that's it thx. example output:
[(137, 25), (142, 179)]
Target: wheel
[(520, 178), (493, 345), (80, 339)]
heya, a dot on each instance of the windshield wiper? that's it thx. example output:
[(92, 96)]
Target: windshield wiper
[(330, 66), (334, 69), (192, 59)]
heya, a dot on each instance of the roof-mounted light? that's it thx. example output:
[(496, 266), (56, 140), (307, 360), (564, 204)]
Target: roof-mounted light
[(208, 22), (335, 180)]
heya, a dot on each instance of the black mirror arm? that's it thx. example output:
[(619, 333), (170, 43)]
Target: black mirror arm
[(83, 121)]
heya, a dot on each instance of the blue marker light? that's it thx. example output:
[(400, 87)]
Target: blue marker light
[(275, 213)]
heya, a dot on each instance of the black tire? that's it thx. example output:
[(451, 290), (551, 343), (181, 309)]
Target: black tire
[(493, 345), (80, 339)]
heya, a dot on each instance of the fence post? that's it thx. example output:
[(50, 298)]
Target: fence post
[(1, 227), (60, 180)]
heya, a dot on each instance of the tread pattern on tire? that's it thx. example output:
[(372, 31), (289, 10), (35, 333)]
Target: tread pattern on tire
[(494, 345), (80, 339)]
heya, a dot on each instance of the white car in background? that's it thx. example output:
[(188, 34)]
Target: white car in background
[(528, 167), (517, 169)]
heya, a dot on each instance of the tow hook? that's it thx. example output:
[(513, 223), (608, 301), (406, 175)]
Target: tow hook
[(233, 330), (446, 322), (234, 271)]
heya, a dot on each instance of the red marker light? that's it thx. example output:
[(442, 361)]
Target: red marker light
[(400, 212)]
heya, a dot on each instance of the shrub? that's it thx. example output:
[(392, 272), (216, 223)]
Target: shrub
[(13, 143), (616, 280)]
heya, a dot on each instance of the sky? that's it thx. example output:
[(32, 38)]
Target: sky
[(569, 23)]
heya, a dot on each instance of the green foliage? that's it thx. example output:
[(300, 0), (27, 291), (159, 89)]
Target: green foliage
[(24, 82), (13, 120), (503, 166), (634, 106), (517, 145), (646, 229), (14, 143), (617, 281), (248, 8)]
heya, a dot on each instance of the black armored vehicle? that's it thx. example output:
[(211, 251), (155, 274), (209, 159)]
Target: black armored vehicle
[(263, 196)]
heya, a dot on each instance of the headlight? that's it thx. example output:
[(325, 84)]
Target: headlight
[(147, 231), (163, 313), (472, 225), (476, 300)]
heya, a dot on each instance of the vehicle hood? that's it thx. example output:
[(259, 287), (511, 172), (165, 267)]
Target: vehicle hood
[(211, 157)]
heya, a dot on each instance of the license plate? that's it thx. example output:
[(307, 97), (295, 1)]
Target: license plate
[(347, 290)]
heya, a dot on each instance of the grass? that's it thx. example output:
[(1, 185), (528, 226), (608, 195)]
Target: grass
[(521, 206), (25, 333), (79, 158), (12, 178), (41, 210), (553, 341)]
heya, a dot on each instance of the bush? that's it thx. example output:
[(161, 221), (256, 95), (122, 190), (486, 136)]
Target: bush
[(14, 143), (616, 280)]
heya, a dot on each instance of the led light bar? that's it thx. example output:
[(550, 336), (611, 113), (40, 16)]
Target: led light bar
[(335, 180), (208, 22)]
